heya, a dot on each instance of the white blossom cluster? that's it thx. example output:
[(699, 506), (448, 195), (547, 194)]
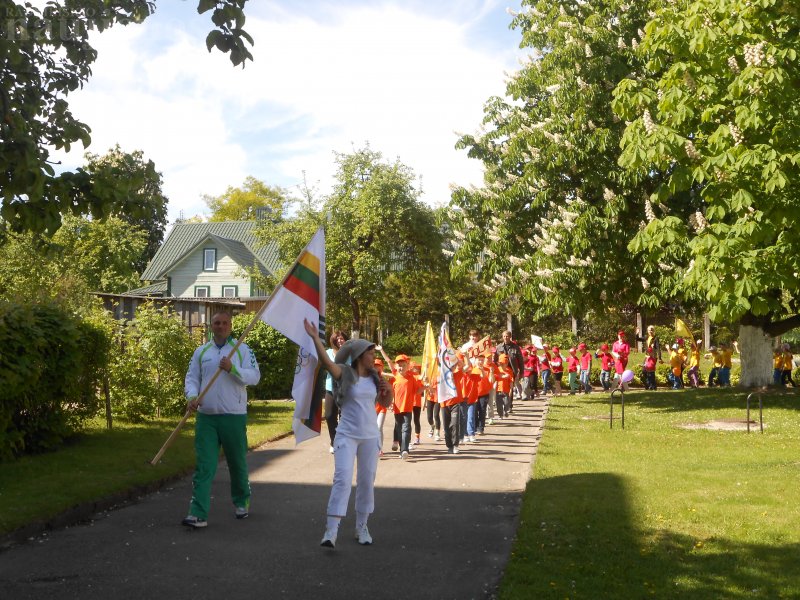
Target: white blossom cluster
[(621, 43), (523, 274), (691, 151), (448, 253), (459, 234), (736, 133), (640, 31), (649, 125), (545, 289), (648, 210), (754, 54), (634, 43), (608, 195), (579, 262), (645, 283), (665, 266), (544, 273), (698, 221), (587, 50), (490, 253), (553, 88), (516, 261), (733, 65)]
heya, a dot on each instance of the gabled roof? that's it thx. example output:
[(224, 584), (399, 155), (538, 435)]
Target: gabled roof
[(237, 237)]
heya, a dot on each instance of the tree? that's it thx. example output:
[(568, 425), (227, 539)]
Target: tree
[(245, 203), (151, 215), (44, 55), (375, 225), (548, 231), (717, 109), (105, 253)]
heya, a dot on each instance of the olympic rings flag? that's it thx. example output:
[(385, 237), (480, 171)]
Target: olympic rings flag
[(302, 296), (446, 387)]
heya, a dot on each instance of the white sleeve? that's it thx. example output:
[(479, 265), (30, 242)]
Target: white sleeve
[(247, 371), (191, 385)]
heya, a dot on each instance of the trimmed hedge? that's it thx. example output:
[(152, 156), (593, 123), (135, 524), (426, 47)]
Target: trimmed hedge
[(50, 366)]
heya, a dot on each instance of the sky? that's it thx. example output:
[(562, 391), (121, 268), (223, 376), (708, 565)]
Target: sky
[(327, 77)]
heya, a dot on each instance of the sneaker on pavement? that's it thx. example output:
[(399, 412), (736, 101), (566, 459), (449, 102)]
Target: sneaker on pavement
[(472, 439), (241, 512), (331, 450), (395, 446), (403, 455), (491, 421), (417, 443), (329, 539), (437, 438), (194, 522), (363, 536), (449, 450), (455, 449), (430, 433)]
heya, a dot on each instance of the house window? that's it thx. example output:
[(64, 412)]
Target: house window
[(202, 291), (230, 291), (210, 259)]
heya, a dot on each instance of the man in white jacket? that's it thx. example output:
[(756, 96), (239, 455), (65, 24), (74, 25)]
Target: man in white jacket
[(221, 418)]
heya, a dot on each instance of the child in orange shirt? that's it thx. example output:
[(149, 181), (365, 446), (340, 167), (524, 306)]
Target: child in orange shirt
[(485, 386), (451, 411), (471, 390), (415, 370), (504, 378), (405, 391)]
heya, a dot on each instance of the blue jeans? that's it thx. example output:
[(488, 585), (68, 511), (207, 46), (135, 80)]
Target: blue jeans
[(725, 376), (605, 380), (777, 375), (585, 381), (546, 381), (483, 402), (472, 410)]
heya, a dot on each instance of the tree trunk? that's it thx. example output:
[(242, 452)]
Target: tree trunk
[(355, 332), (755, 346)]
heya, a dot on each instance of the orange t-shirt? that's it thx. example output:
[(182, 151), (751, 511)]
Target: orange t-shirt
[(471, 382), (420, 390), (485, 386), (405, 391), (504, 376)]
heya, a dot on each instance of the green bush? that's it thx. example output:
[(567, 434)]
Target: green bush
[(50, 369), (276, 356), (148, 370), (399, 343)]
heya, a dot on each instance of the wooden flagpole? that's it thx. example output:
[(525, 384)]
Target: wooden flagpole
[(211, 381)]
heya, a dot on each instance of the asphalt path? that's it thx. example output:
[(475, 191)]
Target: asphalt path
[(442, 528)]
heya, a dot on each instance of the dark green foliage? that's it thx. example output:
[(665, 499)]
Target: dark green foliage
[(399, 343), (50, 367), (276, 356)]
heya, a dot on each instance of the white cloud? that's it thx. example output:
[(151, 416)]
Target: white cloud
[(402, 81)]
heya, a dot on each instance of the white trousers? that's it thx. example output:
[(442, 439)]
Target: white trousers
[(346, 452)]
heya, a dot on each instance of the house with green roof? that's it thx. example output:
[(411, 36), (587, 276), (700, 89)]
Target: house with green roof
[(208, 260)]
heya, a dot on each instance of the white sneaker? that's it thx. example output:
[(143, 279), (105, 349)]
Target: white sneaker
[(472, 439), (363, 536), (430, 433), (491, 421), (437, 437), (455, 449), (403, 455), (329, 539), (331, 450)]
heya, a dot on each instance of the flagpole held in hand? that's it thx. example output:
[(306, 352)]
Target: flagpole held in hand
[(211, 381)]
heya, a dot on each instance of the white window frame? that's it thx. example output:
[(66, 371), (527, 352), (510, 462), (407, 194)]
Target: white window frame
[(203, 288), (235, 289), (212, 252)]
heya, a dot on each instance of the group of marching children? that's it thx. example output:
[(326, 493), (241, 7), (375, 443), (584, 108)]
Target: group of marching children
[(458, 420)]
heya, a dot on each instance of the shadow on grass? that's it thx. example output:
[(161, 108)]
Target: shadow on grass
[(576, 540), (701, 399)]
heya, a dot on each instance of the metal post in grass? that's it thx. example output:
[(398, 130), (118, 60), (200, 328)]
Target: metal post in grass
[(611, 407), (760, 410)]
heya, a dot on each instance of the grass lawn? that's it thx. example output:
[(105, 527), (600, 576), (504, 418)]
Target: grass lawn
[(658, 511), (99, 463)]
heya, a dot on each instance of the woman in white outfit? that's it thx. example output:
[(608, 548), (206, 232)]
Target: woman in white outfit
[(357, 436)]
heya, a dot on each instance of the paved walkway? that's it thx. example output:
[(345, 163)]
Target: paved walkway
[(443, 528)]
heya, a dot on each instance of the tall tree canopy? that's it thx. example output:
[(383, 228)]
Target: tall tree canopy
[(245, 203), (375, 224), (717, 109), (549, 229), (44, 55), (144, 189)]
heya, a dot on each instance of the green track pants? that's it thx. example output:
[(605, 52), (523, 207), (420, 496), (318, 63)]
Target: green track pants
[(211, 432)]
